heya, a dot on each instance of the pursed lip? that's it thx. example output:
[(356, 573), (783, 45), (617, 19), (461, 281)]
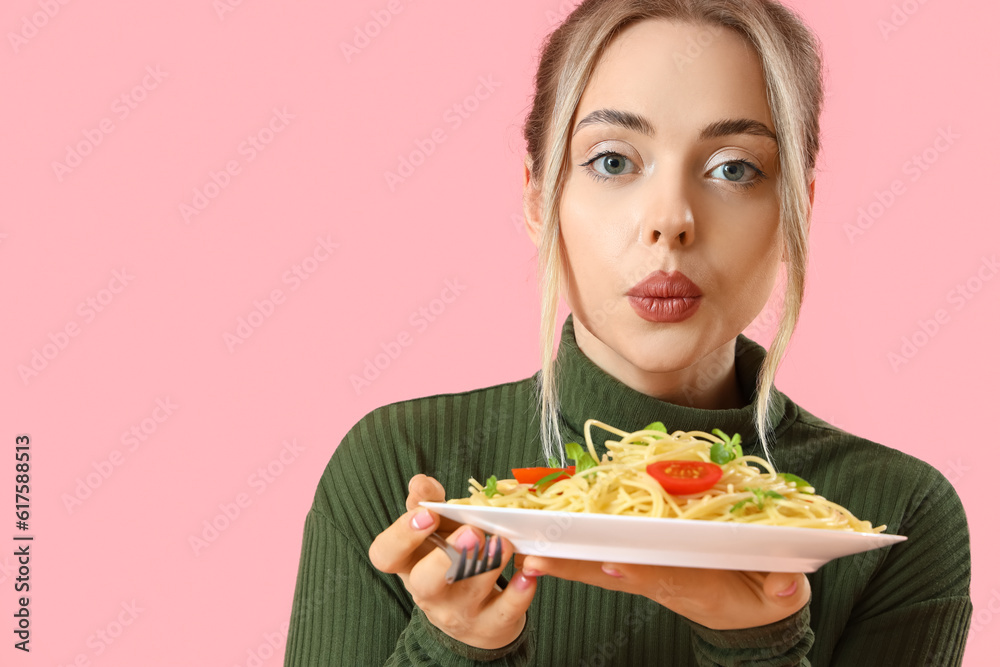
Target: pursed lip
[(663, 285)]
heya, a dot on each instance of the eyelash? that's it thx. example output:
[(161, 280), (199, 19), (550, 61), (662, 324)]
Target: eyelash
[(743, 186)]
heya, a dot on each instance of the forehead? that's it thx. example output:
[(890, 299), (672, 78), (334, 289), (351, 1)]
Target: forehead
[(680, 75)]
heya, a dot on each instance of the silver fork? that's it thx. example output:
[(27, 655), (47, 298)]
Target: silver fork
[(465, 564)]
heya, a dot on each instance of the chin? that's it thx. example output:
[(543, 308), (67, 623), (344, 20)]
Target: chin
[(662, 352)]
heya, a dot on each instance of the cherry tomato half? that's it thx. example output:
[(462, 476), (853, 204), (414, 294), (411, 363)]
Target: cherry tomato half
[(685, 477), (532, 475)]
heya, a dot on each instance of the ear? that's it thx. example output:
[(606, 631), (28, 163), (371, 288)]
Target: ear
[(532, 205)]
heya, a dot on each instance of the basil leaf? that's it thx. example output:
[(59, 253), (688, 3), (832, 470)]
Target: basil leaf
[(718, 432), (720, 454), (548, 478), (740, 504), (553, 462), (656, 426), (491, 487), (727, 450), (583, 460), (796, 481), (736, 448)]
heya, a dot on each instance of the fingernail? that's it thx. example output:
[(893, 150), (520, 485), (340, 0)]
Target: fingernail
[(789, 591), (607, 569), (467, 540), (421, 520), (532, 573), (522, 582)]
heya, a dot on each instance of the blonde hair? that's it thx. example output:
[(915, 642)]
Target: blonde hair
[(792, 67)]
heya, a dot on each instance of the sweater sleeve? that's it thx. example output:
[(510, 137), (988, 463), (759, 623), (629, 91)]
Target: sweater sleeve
[(342, 614), (784, 643), (346, 612), (917, 607)]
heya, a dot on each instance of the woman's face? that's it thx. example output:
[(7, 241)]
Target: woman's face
[(683, 181)]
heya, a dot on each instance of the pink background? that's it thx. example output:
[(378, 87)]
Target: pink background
[(160, 336)]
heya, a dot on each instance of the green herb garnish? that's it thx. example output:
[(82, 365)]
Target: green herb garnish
[(490, 489), (759, 496), (544, 481), (582, 459), (656, 426), (727, 450), (800, 484)]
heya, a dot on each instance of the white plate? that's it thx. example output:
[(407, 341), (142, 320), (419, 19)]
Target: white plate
[(679, 542)]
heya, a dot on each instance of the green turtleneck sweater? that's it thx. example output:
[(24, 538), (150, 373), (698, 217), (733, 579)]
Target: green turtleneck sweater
[(907, 604)]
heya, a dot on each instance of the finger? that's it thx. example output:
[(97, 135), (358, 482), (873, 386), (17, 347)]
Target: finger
[(423, 487), (787, 589), (663, 584), (427, 488), (427, 576), (397, 548), (563, 568), (481, 585), (605, 575), (507, 610)]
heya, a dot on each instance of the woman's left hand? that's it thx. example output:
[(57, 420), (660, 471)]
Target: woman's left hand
[(717, 599)]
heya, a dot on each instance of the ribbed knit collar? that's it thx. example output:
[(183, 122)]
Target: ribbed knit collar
[(588, 392)]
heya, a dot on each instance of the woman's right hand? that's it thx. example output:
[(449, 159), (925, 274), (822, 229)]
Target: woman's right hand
[(471, 610)]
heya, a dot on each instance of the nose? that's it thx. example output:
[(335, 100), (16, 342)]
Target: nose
[(668, 217)]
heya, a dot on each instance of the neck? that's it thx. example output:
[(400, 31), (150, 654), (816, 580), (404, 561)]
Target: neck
[(586, 391), (709, 384)]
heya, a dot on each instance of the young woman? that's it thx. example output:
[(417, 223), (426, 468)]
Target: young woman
[(665, 189)]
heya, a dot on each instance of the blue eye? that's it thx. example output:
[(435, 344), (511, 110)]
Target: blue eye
[(613, 163), (733, 171)]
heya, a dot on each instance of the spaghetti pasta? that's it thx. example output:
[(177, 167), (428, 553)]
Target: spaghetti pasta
[(749, 489)]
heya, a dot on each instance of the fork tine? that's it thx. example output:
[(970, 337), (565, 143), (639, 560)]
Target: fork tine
[(477, 563), (480, 557), (465, 564), (484, 563), (483, 558), (497, 554), (460, 568), (484, 566)]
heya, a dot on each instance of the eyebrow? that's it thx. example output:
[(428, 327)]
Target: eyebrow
[(636, 123)]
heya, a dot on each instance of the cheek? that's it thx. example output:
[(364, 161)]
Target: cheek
[(585, 229), (748, 246), (742, 230), (595, 223)]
